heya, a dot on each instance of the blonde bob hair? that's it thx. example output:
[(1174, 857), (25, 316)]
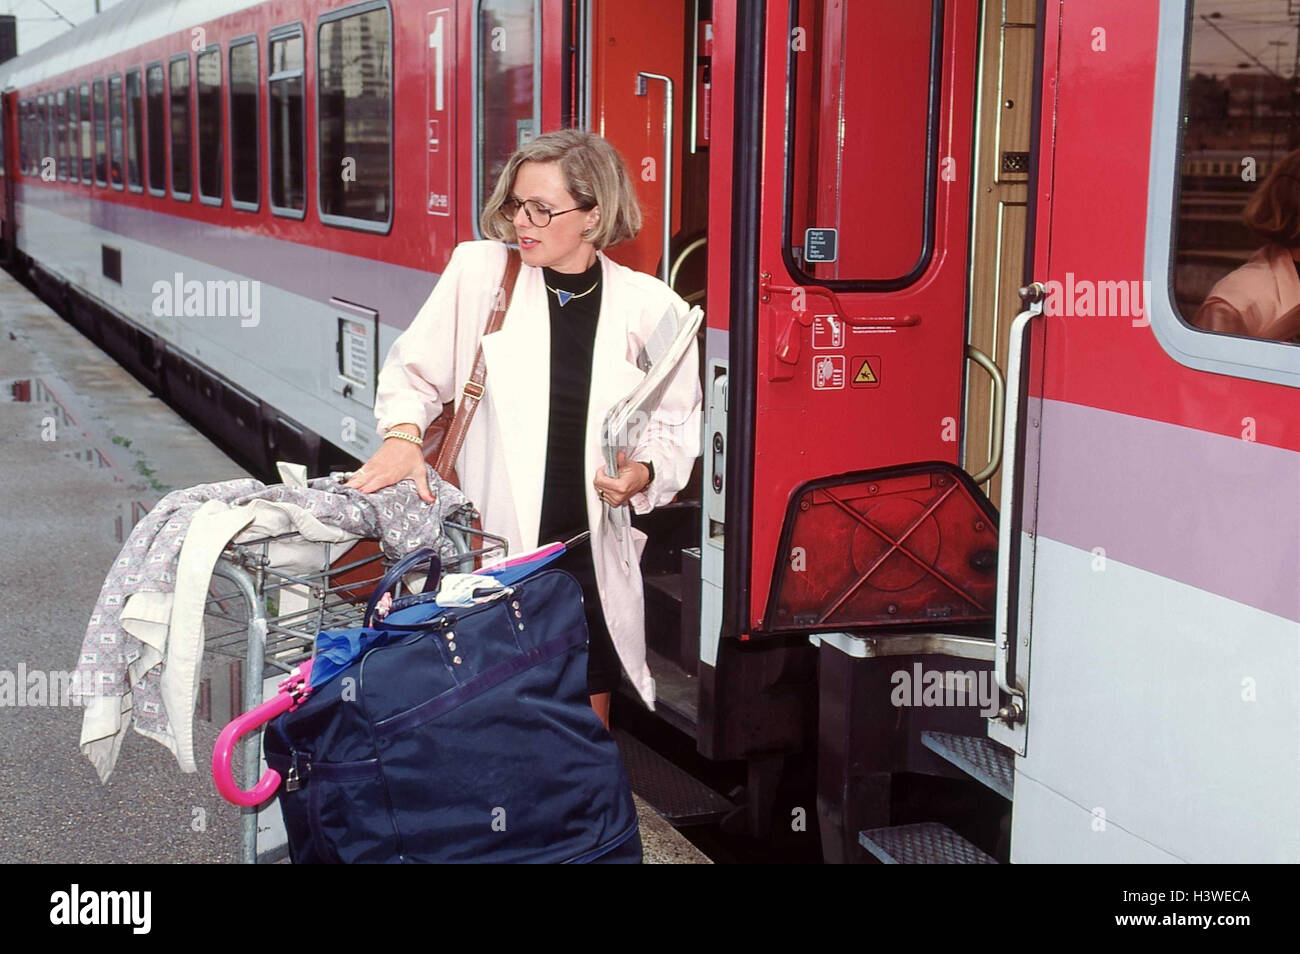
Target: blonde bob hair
[(594, 174), (1273, 212)]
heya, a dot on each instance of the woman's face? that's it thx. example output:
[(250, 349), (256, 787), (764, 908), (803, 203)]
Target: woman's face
[(559, 245)]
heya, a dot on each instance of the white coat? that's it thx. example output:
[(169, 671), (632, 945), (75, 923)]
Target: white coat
[(502, 463)]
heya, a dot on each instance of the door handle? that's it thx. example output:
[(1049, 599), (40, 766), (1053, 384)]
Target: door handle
[(666, 174)]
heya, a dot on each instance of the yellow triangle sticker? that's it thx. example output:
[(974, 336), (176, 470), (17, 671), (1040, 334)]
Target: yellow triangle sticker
[(865, 375)]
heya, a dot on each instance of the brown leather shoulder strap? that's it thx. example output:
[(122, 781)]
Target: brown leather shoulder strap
[(473, 391)]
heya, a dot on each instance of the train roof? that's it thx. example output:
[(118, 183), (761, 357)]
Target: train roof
[(120, 27)]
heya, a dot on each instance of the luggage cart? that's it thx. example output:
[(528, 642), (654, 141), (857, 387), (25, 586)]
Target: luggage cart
[(271, 619)]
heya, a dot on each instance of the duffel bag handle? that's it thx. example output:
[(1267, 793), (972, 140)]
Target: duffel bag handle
[(399, 570)]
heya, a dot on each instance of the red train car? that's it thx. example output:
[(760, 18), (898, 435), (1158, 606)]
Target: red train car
[(856, 192)]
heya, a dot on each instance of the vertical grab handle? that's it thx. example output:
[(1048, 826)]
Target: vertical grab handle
[(999, 411), (666, 173), (1007, 524)]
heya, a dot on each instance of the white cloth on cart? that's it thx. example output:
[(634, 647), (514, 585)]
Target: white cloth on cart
[(143, 647)]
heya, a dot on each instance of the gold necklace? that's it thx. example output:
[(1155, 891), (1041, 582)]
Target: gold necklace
[(564, 297)]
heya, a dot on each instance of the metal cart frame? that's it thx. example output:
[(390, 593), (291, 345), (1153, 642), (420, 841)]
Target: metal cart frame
[(266, 638)]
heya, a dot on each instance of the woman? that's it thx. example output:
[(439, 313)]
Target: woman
[(531, 461), (1262, 298)]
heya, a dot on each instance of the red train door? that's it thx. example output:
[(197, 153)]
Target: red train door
[(862, 258)]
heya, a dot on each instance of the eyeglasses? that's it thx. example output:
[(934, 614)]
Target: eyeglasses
[(539, 215)]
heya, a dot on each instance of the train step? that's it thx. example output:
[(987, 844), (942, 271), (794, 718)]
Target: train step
[(677, 795), (928, 843), (982, 759)]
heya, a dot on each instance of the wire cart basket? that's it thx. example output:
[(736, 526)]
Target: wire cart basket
[(270, 619)]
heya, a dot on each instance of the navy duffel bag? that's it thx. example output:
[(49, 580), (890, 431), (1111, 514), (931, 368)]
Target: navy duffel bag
[(460, 735)]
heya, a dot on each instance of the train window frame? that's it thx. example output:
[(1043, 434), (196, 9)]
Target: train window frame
[(164, 164), (131, 127), (1237, 356), (218, 199), (72, 146), (171, 127), (86, 133), (932, 130), (346, 221), (476, 104), (286, 31), (249, 40), (40, 132), (99, 120), (108, 128), (61, 135)]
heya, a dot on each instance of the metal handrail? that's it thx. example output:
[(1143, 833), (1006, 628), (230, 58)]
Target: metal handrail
[(999, 411), (666, 174)]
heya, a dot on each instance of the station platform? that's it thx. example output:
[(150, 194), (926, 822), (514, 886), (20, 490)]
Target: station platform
[(85, 451)]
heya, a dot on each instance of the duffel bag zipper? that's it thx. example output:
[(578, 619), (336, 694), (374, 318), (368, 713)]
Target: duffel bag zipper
[(298, 771)]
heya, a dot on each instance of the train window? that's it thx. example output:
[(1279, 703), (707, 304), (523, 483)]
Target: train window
[(208, 89), (71, 147), (285, 123), (61, 133), (101, 134), (85, 137), (134, 130), (244, 172), (115, 137), (41, 138), (24, 138), (862, 110), (179, 83), (1237, 241), (156, 112), (1223, 239), (507, 60), (354, 112)]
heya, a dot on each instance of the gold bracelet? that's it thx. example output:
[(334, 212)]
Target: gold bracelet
[(405, 436)]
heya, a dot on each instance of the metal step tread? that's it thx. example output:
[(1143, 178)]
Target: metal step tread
[(981, 758), (928, 843), (675, 794)]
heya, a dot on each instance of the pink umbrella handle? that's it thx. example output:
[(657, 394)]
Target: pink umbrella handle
[(289, 696)]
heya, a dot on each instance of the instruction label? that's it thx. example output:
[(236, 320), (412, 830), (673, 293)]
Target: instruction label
[(827, 332), (828, 372)]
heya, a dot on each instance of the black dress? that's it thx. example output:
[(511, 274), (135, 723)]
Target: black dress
[(564, 507)]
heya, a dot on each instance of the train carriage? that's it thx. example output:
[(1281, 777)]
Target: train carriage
[(986, 530)]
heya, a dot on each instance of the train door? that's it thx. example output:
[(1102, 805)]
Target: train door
[(841, 351), (641, 80)]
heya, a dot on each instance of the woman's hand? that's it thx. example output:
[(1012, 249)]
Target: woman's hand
[(633, 476), (395, 460)]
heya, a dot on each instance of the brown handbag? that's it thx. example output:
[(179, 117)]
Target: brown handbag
[(443, 439)]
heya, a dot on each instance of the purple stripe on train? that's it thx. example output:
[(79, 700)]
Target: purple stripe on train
[(1218, 513)]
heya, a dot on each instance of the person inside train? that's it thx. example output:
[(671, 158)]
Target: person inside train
[(563, 356), (1262, 297)]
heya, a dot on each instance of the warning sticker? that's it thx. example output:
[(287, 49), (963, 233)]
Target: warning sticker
[(827, 332), (827, 372), (866, 371)]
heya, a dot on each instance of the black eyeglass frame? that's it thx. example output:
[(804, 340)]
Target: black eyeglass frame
[(510, 208)]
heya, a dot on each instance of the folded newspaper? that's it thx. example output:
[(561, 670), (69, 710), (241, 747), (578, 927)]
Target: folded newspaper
[(663, 351)]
